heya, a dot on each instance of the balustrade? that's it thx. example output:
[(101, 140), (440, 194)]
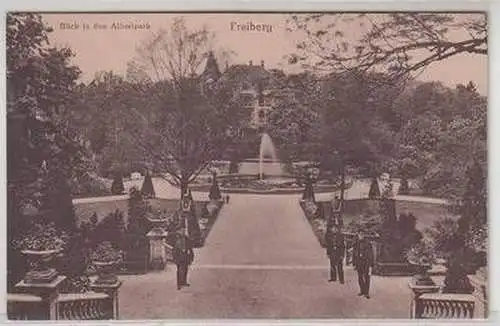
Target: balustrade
[(85, 306), (444, 306), (25, 307)]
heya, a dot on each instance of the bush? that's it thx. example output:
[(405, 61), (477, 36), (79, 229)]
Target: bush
[(41, 236), (111, 228), (311, 208), (106, 252), (89, 186)]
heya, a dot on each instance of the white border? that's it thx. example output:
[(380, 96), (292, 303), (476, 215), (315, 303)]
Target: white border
[(276, 5)]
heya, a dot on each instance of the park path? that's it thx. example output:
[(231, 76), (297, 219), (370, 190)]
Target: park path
[(261, 260)]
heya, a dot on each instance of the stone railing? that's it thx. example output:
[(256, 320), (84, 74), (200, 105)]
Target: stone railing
[(444, 306), (85, 306), (25, 307), (42, 301), (71, 306)]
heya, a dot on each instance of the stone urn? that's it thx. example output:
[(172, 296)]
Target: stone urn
[(106, 258), (40, 265)]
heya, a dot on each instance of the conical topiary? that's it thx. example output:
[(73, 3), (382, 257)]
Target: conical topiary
[(374, 189), (117, 187), (214, 193), (147, 189), (404, 188)]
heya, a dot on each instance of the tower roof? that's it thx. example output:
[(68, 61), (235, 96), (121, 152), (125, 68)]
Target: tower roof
[(211, 67)]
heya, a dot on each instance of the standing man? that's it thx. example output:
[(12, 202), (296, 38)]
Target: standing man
[(337, 210), (183, 256), (335, 249), (362, 261)]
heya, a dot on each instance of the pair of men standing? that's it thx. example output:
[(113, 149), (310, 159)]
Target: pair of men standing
[(362, 258), (335, 247)]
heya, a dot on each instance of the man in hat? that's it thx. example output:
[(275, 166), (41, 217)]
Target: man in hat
[(362, 261), (335, 249), (337, 210), (183, 256)]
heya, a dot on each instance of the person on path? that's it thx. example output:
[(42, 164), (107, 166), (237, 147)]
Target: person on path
[(335, 249), (337, 210), (362, 261), (183, 256)]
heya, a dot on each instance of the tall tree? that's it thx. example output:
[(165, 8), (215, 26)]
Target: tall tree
[(44, 151), (188, 123)]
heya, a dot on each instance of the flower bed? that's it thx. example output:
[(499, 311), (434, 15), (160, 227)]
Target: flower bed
[(210, 212), (314, 212)]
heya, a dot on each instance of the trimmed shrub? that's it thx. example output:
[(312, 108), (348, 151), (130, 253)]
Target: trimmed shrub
[(147, 189), (374, 189), (117, 187)]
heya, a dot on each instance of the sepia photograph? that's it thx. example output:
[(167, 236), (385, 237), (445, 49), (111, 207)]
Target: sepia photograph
[(244, 165)]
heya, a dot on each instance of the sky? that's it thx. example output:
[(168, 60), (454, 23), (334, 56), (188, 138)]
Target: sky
[(101, 47)]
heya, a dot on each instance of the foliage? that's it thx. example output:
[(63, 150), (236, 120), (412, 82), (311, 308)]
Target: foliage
[(112, 228), (311, 208), (138, 225), (90, 186), (106, 252), (400, 43), (187, 118), (421, 253), (147, 189), (41, 236)]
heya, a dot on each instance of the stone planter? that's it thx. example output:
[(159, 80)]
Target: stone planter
[(418, 288), (157, 236), (106, 272), (39, 261)]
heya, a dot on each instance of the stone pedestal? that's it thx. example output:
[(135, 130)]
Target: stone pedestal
[(49, 292), (112, 291), (157, 253), (417, 291), (480, 283)]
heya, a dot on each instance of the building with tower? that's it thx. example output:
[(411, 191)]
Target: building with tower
[(253, 83)]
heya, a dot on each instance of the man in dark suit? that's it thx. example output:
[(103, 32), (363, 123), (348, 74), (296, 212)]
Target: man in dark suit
[(337, 210), (362, 261), (183, 256), (335, 249)]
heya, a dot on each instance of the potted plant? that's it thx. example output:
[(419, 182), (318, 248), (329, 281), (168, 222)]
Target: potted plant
[(41, 243), (105, 257), (421, 256)]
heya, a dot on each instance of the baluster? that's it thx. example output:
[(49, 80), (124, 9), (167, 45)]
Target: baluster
[(427, 308), (93, 311), (98, 312), (87, 310)]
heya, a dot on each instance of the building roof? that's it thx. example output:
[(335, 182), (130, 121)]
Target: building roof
[(211, 68)]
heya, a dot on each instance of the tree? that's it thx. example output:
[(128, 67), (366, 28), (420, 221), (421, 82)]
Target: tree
[(45, 152), (399, 43), (293, 118), (187, 125)]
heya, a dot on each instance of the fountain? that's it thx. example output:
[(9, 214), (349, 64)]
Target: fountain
[(268, 158)]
